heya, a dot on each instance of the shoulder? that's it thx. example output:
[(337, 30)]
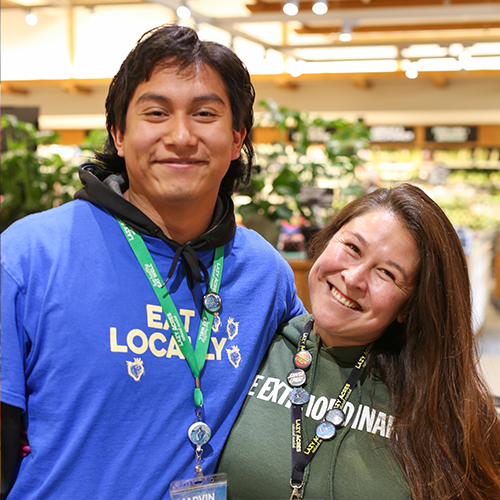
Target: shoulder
[(251, 245), (46, 236), (290, 332), (50, 223)]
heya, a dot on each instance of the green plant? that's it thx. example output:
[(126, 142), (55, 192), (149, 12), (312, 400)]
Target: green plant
[(309, 153), (30, 182)]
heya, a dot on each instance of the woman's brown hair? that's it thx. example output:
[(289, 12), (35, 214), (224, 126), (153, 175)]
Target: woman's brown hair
[(447, 431)]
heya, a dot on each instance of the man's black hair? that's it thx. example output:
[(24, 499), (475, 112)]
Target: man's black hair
[(179, 46)]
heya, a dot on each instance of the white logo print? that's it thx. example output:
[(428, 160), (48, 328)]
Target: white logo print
[(136, 369)]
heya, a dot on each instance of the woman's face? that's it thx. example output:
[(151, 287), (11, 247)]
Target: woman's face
[(362, 281)]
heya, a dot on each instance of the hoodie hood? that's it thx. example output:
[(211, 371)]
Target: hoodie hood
[(105, 188)]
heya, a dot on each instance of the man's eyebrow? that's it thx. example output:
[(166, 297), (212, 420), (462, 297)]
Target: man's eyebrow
[(151, 96), (392, 263)]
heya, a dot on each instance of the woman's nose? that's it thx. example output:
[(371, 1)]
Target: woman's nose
[(355, 276)]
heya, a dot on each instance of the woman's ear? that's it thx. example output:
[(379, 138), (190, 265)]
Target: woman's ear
[(402, 318)]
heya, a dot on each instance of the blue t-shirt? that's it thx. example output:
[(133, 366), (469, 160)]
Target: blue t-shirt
[(88, 356)]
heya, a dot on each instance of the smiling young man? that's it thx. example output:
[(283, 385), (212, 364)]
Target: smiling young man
[(140, 308)]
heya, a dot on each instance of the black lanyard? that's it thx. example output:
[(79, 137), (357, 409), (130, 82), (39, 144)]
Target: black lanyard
[(334, 418)]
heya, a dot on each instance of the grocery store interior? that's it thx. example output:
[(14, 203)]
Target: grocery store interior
[(395, 90)]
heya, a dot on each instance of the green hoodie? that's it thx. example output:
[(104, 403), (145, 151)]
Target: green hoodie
[(356, 464)]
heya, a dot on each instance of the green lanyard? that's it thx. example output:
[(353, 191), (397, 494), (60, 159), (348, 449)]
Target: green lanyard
[(195, 357)]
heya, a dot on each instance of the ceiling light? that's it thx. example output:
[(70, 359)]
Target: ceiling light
[(291, 7), (455, 49), (183, 11), (94, 17), (320, 7), (31, 18), (465, 56), (346, 35), (411, 73)]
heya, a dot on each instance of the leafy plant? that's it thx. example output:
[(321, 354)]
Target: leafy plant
[(307, 153), (31, 182)]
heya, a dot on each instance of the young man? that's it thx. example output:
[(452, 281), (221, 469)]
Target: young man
[(96, 347)]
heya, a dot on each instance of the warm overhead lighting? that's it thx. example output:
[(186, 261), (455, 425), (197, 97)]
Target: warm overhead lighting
[(320, 7), (291, 7), (346, 35), (411, 73), (455, 49), (94, 17), (465, 56), (31, 18), (183, 11)]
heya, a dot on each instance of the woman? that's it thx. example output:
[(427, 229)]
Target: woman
[(390, 290)]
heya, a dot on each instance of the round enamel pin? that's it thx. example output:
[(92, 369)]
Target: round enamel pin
[(296, 377), (199, 433), (212, 302), (326, 430), (336, 416), (302, 359), (298, 396)]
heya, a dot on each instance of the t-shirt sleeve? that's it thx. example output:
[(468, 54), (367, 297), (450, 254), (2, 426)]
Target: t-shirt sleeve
[(295, 305), (13, 343)]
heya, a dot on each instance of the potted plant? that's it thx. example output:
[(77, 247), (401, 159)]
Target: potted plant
[(308, 171), (31, 182)]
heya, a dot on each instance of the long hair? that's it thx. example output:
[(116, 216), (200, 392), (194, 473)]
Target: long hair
[(179, 46), (446, 429)]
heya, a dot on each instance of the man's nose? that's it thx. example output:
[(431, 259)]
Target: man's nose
[(180, 132)]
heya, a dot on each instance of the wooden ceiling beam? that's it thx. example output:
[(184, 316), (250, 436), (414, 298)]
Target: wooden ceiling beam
[(267, 7), (325, 30)]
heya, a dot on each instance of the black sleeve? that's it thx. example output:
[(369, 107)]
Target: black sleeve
[(11, 436)]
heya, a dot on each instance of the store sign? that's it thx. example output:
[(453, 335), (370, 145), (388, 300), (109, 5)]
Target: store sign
[(392, 133), (450, 134)]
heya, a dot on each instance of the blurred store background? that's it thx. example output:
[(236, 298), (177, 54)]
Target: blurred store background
[(351, 95)]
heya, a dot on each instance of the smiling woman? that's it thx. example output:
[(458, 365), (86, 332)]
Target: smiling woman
[(362, 281), (381, 379)]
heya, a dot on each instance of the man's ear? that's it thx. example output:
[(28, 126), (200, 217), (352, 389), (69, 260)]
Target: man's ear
[(118, 138), (238, 138)]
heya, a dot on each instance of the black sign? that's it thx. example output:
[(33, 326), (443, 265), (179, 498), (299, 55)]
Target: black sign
[(392, 133), (452, 133)]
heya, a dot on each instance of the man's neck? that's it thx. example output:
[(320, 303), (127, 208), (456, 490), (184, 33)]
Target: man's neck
[(181, 222)]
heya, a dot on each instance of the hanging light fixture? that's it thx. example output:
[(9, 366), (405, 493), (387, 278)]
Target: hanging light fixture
[(346, 35), (31, 18), (183, 11), (411, 73), (94, 16), (320, 7), (291, 7)]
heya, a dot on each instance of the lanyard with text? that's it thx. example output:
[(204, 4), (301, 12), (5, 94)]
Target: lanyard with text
[(334, 418), (199, 433)]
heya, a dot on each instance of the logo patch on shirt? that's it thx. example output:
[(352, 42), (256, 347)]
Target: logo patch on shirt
[(136, 369), (234, 356), (232, 328)]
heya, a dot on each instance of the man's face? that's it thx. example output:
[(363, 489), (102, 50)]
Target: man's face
[(179, 139)]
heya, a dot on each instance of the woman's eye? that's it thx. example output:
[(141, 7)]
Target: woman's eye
[(388, 273), (353, 247)]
